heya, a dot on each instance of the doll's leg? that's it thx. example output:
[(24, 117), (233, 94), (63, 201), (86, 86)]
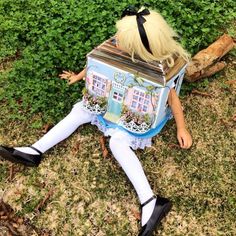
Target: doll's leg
[(61, 131), (129, 162)]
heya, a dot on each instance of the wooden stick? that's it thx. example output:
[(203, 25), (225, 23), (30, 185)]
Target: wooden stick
[(173, 145), (103, 146), (11, 172), (203, 63), (231, 82), (197, 92), (42, 203), (211, 70), (214, 69)]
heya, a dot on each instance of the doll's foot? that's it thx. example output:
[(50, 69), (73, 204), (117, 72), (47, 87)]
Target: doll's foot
[(16, 156), (161, 209)]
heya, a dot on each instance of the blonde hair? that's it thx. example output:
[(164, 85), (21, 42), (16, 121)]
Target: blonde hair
[(160, 37)]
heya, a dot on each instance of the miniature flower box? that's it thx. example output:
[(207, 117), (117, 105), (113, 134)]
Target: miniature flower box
[(94, 104)]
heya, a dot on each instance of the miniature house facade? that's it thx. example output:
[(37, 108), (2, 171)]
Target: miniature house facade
[(126, 94)]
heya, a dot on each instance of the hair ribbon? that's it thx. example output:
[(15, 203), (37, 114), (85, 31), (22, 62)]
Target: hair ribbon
[(130, 11)]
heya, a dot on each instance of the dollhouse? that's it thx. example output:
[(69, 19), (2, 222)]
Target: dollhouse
[(131, 95)]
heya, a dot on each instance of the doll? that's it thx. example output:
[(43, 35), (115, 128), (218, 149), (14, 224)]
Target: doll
[(146, 34)]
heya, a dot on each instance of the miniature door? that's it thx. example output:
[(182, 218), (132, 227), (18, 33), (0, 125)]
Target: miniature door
[(115, 103)]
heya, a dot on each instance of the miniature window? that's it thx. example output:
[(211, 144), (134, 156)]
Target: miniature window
[(117, 96), (145, 108), (99, 85), (134, 104), (140, 101)]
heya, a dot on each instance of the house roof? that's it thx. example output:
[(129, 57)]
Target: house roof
[(157, 71)]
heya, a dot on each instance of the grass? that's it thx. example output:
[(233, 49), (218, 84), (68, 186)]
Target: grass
[(91, 194)]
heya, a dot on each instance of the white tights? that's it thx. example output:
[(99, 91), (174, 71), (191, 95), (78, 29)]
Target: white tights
[(118, 145)]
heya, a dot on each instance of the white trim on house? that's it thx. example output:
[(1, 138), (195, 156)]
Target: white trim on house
[(118, 86)]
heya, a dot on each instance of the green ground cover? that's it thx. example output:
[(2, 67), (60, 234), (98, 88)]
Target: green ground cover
[(86, 198), (49, 36)]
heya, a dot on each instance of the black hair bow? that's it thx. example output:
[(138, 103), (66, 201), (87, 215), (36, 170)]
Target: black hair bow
[(131, 11)]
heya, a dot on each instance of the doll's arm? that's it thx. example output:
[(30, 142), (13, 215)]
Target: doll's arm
[(184, 137), (71, 77)]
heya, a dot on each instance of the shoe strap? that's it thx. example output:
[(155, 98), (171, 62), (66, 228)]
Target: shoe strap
[(35, 149), (149, 200)]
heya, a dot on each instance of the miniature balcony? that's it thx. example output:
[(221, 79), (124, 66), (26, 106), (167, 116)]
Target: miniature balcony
[(135, 128)]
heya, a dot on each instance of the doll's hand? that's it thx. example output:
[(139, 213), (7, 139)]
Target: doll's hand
[(184, 138), (71, 77)]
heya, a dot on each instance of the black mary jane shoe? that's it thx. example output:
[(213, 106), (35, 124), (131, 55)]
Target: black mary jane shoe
[(161, 209), (15, 156)]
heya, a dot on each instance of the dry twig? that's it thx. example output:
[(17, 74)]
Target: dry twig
[(103, 146), (230, 82), (136, 214), (173, 145), (11, 172), (43, 202), (13, 169), (197, 92), (46, 128)]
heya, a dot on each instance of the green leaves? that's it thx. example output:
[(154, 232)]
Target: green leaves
[(54, 35)]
